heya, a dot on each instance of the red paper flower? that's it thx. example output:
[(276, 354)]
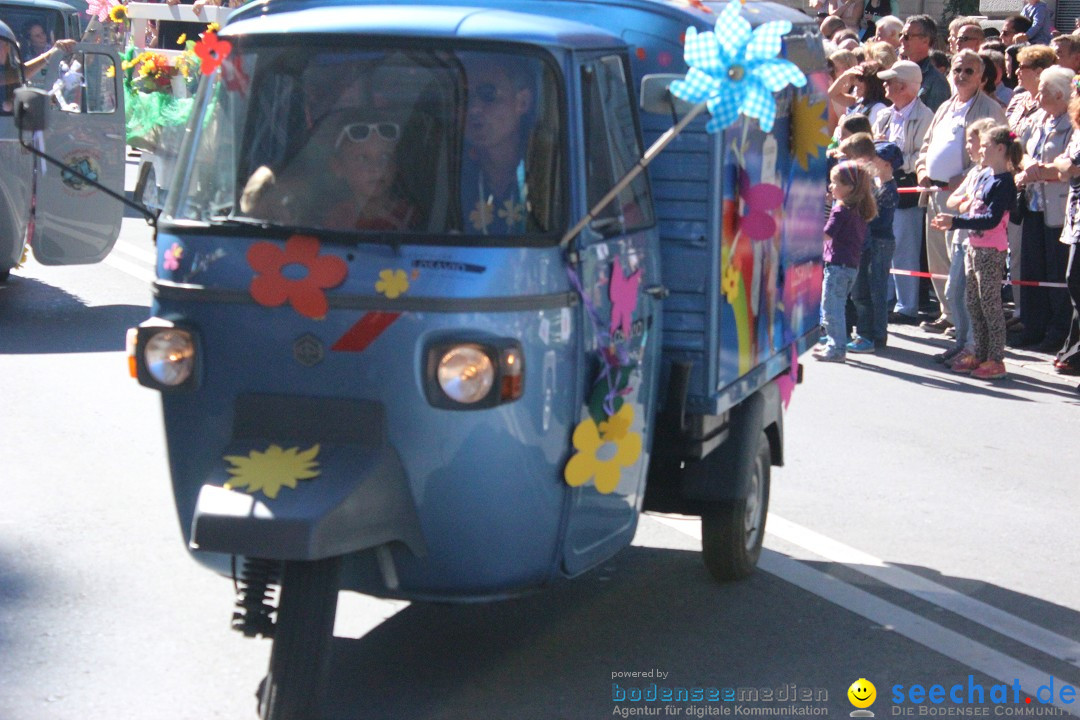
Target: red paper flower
[(306, 294), (212, 51)]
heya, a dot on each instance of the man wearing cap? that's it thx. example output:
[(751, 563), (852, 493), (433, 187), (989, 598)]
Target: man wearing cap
[(905, 125), (943, 162), (916, 42)]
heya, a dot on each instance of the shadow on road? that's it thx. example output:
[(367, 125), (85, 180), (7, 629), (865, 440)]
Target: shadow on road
[(552, 655), (36, 317), (926, 372)]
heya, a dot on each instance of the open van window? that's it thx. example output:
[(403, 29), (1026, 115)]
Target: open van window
[(380, 140)]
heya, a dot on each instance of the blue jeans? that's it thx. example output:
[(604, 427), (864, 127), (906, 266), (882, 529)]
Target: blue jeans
[(834, 294), (955, 287), (908, 231), (871, 291)]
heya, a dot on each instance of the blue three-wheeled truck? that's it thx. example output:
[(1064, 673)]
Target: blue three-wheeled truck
[(423, 329)]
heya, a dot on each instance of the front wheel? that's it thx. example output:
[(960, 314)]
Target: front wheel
[(732, 530), (302, 635)]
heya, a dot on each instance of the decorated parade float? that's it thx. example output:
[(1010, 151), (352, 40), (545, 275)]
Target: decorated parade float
[(430, 322)]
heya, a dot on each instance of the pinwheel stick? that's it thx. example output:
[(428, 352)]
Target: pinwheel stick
[(655, 149)]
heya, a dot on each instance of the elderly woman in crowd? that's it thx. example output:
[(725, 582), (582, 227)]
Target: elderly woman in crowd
[(888, 30), (1020, 112), (1067, 361), (1045, 313)]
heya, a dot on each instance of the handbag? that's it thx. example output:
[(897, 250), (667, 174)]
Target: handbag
[(907, 200)]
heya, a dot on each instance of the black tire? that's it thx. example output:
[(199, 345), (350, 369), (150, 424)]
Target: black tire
[(732, 530), (5, 273), (302, 636)]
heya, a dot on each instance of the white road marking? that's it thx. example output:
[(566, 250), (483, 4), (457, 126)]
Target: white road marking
[(136, 270), (1032, 635), (942, 640), (139, 251)]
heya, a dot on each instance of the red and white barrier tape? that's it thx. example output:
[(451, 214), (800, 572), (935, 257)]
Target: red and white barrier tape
[(939, 276), (919, 189)]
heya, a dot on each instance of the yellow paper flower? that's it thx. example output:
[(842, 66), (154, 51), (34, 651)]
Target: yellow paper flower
[(110, 71), (182, 39), (272, 470), (810, 130), (392, 283), (602, 458), (616, 426), (213, 27), (731, 282), (118, 13)]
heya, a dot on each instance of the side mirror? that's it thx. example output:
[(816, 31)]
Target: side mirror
[(656, 98), (31, 105)]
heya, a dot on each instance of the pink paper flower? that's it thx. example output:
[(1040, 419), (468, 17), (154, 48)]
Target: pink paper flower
[(760, 200)]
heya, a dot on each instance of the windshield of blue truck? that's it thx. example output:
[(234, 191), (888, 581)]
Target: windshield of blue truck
[(378, 142)]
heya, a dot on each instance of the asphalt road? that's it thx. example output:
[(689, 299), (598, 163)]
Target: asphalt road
[(922, 531)]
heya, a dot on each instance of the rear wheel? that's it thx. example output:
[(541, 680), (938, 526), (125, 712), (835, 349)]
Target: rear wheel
[(4, 274), (732, 530), (302, 635)]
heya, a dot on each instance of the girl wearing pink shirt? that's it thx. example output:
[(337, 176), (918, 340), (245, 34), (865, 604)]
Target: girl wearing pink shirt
[(986, 216)]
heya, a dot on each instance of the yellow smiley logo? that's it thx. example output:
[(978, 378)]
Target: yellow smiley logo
[(862, 693)]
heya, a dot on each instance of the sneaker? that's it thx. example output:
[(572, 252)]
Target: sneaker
[(861, 345), (990, 370), (823, 340), (830, 356), (935, 326), (949, 332), (945, 357), (965, 363)]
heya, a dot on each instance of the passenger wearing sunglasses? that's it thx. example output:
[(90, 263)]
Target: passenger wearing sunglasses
[(916, 42), (365, 161), (943, 162), (493, 177)]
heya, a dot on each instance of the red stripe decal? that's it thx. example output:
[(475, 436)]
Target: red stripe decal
[(366, 330)]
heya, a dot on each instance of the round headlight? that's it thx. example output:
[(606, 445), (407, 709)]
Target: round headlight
[(466, 374), (170, 356)]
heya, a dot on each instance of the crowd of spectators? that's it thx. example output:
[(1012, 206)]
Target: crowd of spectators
[(954, 131)]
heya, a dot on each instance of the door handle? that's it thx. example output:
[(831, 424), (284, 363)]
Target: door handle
[(657, 291)]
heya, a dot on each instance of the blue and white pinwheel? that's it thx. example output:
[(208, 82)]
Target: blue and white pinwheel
[(736, 69)]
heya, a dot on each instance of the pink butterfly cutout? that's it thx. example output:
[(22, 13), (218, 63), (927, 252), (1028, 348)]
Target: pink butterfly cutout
[(760, 200), (623, 293)]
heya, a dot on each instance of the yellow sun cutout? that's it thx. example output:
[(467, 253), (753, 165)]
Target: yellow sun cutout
[(269, 471), (809, 130)]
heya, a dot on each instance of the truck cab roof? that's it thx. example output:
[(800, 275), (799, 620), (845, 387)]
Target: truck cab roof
[(430, 21)]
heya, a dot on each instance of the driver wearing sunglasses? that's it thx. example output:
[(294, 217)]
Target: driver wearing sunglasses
[(493, 175)]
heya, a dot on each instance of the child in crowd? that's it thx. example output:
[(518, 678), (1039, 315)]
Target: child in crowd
[(871, 291), (845, 235), (987, 212), (961, 357)]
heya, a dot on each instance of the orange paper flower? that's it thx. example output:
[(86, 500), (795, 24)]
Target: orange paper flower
[(307, 294), (212, 51)]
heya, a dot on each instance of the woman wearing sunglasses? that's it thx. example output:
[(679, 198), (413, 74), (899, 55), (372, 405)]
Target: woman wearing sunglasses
[(365, 162)]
